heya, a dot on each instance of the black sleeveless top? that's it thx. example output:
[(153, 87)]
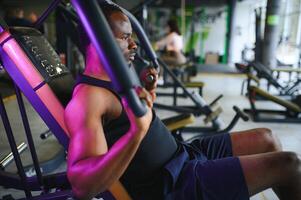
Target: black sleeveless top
[(156, 149)]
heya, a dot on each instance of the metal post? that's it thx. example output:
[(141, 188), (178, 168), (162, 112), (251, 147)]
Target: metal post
[(258, 35), (29, 136), (13, 146), (229, 35), (183, 17), (271, 33), (10, 157), (45, 14)]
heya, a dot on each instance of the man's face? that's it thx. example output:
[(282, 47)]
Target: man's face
[(122, 31)]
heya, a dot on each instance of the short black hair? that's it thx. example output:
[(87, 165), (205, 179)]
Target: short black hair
[(108, 10)]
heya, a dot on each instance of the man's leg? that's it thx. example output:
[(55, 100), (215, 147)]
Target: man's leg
[(276, 169), (254, 141)]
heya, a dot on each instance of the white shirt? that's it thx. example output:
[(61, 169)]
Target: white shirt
[(172, 42)]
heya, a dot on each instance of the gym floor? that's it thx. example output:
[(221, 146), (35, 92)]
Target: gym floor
[(216, 84), (230, 86)]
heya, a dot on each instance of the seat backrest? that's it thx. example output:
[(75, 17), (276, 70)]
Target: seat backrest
[(35, 67)]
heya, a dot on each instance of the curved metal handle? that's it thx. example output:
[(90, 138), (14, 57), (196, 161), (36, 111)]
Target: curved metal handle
[(109, 52), (241, 114), (138, 107)]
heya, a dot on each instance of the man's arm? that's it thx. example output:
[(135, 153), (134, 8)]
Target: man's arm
[(92, 167), (161, 44)]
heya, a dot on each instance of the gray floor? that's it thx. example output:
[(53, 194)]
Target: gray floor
[(229, 85)]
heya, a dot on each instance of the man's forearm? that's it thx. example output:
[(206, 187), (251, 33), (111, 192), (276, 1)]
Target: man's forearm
[(96, 174)]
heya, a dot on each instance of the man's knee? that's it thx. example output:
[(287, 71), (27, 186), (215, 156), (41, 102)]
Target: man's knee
[(271, 140), (292, 158), (293, 163)]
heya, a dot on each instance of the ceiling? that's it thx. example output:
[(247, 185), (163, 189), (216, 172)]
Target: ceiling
[(23, 2), (177, 3), (128, 4)]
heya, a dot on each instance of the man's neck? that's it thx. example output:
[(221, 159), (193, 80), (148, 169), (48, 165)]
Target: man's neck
[(96, 72)]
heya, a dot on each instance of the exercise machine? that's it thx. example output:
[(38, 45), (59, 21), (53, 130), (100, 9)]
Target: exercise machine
[(289, 114), (37, 71)]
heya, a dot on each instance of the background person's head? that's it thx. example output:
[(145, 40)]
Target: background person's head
[(121, 28), (15, 12), (33, 17), (173, 26)]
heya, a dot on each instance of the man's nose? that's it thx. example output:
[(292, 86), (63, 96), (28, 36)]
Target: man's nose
[(132, 44)]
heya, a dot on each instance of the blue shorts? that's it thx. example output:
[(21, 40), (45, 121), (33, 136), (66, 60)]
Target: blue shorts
[(205, 170)]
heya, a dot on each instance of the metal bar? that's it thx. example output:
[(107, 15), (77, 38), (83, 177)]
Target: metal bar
[(181, 109), (46, 13), (165, 94), (177, 82), (13, 147), (10, 157), (3, 25), (273, 120), (59, 195), (68, 13), (175, 95), (29, 136), (232, 124), (52, 181), (293, 88), (46, 134)]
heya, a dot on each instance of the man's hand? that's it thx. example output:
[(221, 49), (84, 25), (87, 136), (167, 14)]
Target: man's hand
[(149, 77), (139, 125)]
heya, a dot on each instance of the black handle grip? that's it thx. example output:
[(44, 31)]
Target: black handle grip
[(46, 134), (241, 113)]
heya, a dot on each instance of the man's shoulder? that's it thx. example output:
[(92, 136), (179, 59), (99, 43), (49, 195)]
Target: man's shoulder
[(91, 92), (88, 98)]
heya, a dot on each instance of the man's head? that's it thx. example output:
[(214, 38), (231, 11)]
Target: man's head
[(122, 30)]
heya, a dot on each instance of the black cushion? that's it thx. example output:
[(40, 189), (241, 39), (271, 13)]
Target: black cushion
[(46, 61)]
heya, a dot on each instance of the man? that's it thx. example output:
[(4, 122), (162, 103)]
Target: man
[(108, 143)]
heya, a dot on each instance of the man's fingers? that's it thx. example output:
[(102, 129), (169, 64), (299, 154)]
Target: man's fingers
[(154, 96), (144, 95)]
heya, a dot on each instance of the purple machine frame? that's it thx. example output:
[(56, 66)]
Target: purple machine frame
[(32, 84)]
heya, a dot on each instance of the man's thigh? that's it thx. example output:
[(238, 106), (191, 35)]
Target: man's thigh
[(212, 179), (214, 147)]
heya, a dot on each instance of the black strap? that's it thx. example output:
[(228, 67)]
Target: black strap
[(82, 78)]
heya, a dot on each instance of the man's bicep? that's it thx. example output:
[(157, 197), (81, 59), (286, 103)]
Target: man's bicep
[(86, 139)]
